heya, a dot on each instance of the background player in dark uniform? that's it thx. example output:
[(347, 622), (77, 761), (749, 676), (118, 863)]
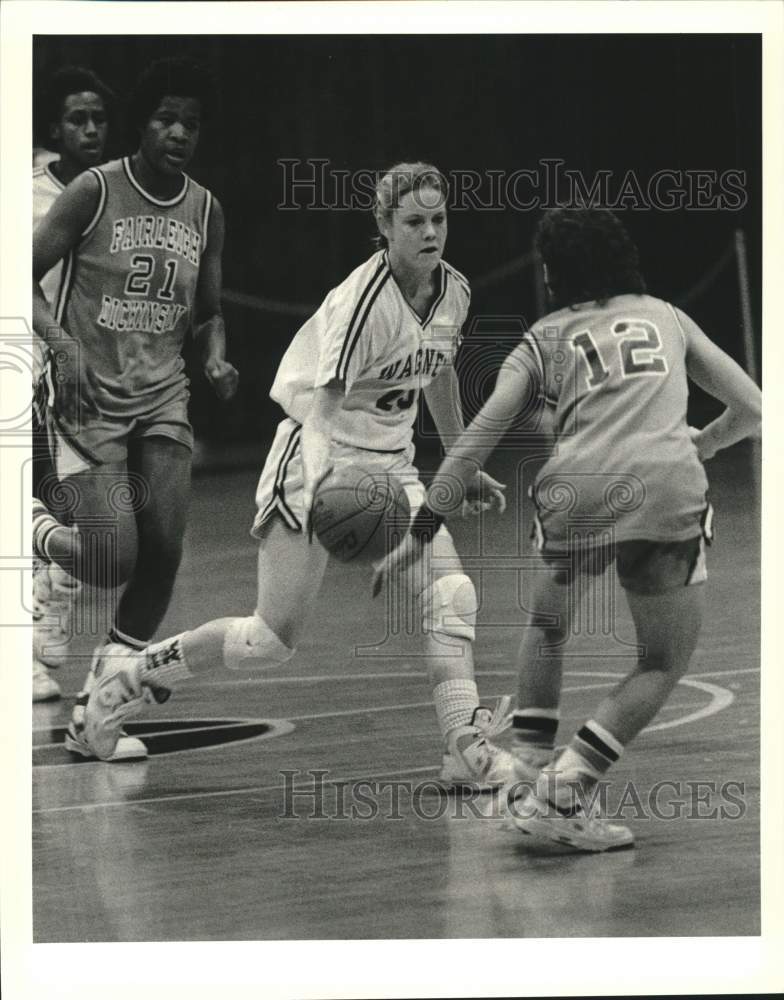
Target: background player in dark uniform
[(75, 113), (625, 485), (141, 244)]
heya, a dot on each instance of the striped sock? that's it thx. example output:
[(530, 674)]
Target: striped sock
[(535, 727), (590, 754), (455, 702), (534, 732), (597, 747)]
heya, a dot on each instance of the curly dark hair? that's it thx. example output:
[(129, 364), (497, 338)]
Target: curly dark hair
[(589, 256), (172, 77), (72, 80)]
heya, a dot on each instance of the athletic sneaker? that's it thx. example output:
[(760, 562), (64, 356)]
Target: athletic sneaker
[(470, 760), (45, 687), (54, 593), (536, 817), (85, 736), (528, 762)]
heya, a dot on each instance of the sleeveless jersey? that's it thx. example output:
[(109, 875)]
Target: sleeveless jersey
[(129, 290), (367, 336), (615, 377), (46, 189)]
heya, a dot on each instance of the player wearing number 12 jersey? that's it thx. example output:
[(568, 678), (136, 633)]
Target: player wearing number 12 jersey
[(625, 486), (141, 244), (349, 385), (614, 376)]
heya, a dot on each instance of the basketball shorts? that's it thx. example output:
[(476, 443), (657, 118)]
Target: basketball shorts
[(280, 485), (103, 439), (644, 566)]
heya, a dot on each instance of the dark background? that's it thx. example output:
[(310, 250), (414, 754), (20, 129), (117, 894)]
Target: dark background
[(618, 103)]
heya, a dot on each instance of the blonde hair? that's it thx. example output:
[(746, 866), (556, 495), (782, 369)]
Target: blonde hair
[(397, 182)]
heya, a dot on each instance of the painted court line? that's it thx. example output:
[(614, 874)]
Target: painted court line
[(373, 710), (721, 698), (411, 675), (224, 793)]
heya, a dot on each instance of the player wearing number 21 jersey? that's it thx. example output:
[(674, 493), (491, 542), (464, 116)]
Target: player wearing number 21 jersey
[(129, 289), (141, 246)]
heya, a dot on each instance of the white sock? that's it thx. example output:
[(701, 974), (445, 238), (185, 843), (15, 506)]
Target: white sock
[(166, 662), (455, 702)]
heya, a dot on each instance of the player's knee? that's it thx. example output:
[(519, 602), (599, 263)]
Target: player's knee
[(449, 607), (250, 644)]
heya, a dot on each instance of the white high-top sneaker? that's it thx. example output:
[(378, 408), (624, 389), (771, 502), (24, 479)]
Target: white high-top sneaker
[(470, 760), (106, 742)]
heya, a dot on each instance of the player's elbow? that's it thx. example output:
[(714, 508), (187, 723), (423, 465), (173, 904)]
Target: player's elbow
[(756, 420), (754, 413)]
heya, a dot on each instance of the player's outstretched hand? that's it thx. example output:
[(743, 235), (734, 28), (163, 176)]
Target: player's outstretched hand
[(484, 493), (399, 559), (223, 377)]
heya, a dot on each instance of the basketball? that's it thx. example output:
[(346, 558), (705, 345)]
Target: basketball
[(360, 516)]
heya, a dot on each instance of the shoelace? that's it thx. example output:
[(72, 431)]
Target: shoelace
[(499, 721)]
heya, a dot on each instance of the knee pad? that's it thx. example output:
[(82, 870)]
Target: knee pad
[(449, 607), (250, 644)]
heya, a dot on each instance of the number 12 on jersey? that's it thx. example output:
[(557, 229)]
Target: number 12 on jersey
[(639, 349)]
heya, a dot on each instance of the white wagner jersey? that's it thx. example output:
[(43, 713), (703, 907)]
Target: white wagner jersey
[(367, 336)]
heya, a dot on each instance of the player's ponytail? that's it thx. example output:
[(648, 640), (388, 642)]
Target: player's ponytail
[(396, 183)]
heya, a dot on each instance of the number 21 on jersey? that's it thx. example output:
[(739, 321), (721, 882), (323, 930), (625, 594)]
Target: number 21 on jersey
[(139, 278), (639, 350)]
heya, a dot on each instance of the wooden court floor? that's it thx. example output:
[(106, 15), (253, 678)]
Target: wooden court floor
[(300, 803)]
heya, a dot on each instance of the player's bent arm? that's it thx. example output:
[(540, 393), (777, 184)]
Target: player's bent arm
[(717, 373), (316, 439), (208, 317), (56, 235), (443, 401), (59, 232), (477, 442), (208, 327)]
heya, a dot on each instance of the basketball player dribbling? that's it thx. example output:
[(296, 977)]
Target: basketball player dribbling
[(141, 243), (350, 384), (625, 485)]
